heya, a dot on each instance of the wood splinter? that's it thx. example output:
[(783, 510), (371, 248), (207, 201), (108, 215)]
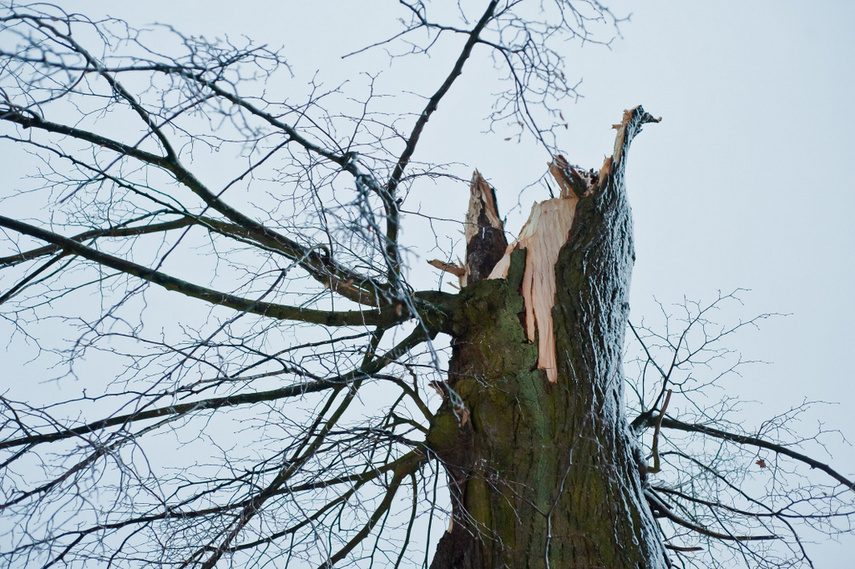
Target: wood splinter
[(484, 233), (543, 235)]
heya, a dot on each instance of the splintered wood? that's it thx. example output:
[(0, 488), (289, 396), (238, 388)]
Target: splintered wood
[(543, 236), (546, 231), (484, 233)]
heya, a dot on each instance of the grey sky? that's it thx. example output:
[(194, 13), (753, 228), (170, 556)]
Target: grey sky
[(747, 182)]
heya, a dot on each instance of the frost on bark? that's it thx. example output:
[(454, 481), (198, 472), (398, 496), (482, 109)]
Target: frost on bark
[(541, 465)]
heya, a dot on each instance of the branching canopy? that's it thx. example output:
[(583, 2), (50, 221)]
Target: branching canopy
[(208, 261)]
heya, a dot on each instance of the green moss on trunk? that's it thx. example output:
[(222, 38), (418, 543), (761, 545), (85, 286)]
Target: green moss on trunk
[(544, 474)]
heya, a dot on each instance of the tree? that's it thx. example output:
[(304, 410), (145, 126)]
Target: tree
[(258, 366)]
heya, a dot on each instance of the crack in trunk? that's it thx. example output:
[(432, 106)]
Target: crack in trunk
[(543, 470)]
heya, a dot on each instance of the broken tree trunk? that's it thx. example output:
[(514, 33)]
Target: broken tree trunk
[(484, 233), (542, 469)]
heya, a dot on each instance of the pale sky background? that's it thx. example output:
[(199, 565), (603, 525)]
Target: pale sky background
[(747, 182)]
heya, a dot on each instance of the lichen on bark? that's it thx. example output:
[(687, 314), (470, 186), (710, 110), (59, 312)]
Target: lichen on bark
[(541, 464)]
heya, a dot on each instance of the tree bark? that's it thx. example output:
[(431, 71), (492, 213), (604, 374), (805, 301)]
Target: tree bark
[(542, 468)]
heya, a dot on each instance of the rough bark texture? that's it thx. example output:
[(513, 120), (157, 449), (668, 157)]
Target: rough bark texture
[(543, 474), (542, 238), (484, 232)]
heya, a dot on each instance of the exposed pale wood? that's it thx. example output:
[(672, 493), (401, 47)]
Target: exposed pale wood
[(482, 199), (636, 114), (484, 232), (546, 232), (532, 449), (455, 269), (571, 179), (543, 236)]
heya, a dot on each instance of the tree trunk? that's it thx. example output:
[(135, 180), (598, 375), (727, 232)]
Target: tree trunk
[(542, 468)]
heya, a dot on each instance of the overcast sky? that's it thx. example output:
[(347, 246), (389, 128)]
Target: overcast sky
[(746, 183)]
